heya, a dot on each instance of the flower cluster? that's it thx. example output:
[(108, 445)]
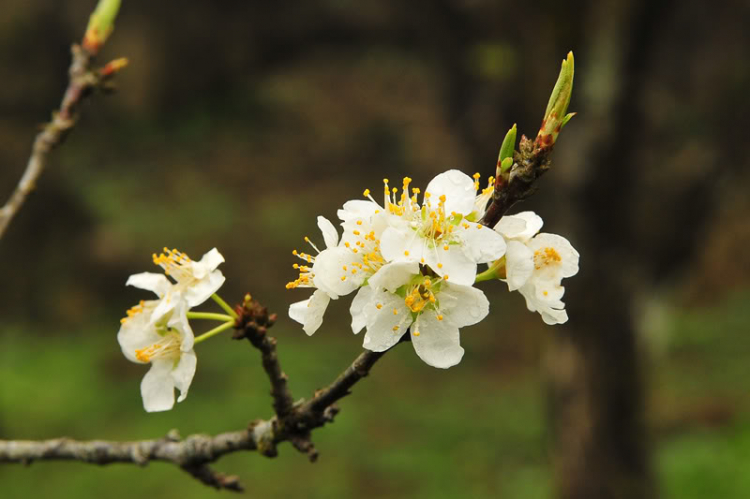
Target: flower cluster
[(535, 264), (158, 332), (413, 266)]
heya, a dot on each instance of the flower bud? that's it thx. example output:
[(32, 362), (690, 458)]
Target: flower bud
[(101, 24), (555, 117)]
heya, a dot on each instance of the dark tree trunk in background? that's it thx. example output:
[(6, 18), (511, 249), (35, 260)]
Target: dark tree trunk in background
[(600, 447)]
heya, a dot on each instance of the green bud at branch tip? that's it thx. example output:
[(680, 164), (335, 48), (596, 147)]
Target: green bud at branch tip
[(506, 151), (555, 117), (101, 24)]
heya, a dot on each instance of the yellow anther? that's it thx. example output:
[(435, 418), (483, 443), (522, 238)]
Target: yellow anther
[(421, 260), (395, 311), (445, 277), (395, 328), (344, 267), (442, 198), (440, 317), (445, 247), (416, 333), (343, 278), (359, 222), (379, 306), (406, 253), (366, 193), (440, 265), (356, 232), (476, 176)]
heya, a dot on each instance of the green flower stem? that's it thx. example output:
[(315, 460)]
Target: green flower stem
[(487, 275), (209, 316), (214, 331), (224, 305)]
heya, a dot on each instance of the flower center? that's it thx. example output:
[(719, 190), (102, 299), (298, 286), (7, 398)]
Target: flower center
[(168, 347), (420, 296), (173, 262), (546, 257)]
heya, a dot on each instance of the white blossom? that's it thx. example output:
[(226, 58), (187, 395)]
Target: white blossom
[(536, 264), (439, 233), (401, 299), (315, 272), (163, 338)]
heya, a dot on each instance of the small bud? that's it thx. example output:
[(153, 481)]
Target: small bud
[(113, 67), (101, 24), (555, 117), (505, 158)]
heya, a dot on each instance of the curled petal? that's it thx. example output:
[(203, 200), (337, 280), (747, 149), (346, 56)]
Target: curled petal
[(158, 283), (330, 234)]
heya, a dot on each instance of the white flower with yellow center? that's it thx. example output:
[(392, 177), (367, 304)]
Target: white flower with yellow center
[(401, 299), (165, 340), (440, 233), (195, 282), (536, 264), (317, 272)]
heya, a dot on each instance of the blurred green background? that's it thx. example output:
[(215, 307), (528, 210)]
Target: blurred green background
[(238, 122)]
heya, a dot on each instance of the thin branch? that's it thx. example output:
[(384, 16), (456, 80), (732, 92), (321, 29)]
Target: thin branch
[(82, 80), (252, 323), (196, 452)]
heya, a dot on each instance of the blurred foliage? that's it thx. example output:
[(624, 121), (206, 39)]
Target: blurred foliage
[(238, 122)]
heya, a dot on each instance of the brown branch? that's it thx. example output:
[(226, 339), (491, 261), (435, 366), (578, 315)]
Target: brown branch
[(253, 324), (293, 422), (530, 162), (82, 80)]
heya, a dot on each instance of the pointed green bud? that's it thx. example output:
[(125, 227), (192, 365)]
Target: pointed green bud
[(101, 24), (555, 118), (506, 150)]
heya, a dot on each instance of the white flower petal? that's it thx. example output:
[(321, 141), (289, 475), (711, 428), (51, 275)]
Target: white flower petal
[(157, 387), (179, 321), (330, 234), (401, 244), (183, 373), (458, 189), (438, 343), (384, 327), (552, 316), (329, 269), (452, 262), (357, 308), (521, 226), (392, 276), (135, 333), (357, 208), (202, 289), (519, 264), (463, 305), (480, 244), (207, 263), (310, 312), (158, 283)]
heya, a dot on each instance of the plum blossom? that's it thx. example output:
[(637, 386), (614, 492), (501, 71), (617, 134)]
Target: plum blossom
[(162, 337), (319, 272), (401, 299), (439, 233), (536, 263), (158, 332)]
